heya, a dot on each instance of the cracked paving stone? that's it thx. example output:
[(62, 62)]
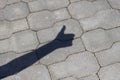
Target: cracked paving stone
[(91, 77), (83, 9), (24, 41), (5, 29), (111, 72), (61, 54), (97, 40), (77, 65), (115, 3), (113, 54), (72, 27), (16, 11), (47, 4), (115, 34), (19, 25), (41, 20), (3, 3), (36, 72), (106, 19), (5, 46), (12, 1)]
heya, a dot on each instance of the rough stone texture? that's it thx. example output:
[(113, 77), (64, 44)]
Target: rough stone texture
[(5, 46), (61, 54), (115, 3), (16, 11), (77, 65), (72, 26), (3, 3), (114, 34), (12, 1), (97, 40), (61, 14), (46, 35), (24, 41), (111, 72), (106, 19), (5, 29), (47, 4), (112, 54), (91, 77), (84, 9), (41, 20), (19, 25)]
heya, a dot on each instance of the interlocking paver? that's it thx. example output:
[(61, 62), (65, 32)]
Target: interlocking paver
[(111, 72), (47, 4), (114, 34), (77, 65), (115, 3), (61, 14), (85, 9), (91, 77), (61, 54), (3, 3), (16, 11), (72, 26), (24, 41), (5, 29), (19, 25), (41, 20), (106, 19), (5, 46), (97, 40), (112, 54)]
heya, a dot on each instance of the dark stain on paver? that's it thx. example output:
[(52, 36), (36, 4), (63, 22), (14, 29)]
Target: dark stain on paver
[(22, 62)]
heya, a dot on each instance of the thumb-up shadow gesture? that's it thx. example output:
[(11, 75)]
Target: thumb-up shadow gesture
[(64, 39)]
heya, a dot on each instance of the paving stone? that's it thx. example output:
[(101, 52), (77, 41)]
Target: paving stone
[(61, 14), (85, 9), (77, 65), (37, 5), (61, 54), (41, 20), (46, 35), (16, 11), (36, 72), (97, 40), (12, 1), (115, 34), (19, 25), (56, 4), (12, 77), (106, 19), (72, 27), (24, 41), (115, 3), (112, 54), (5, 46), (91, 77), (69, 78), (81, 0), (111, 72), (3, 3), (5, 29)]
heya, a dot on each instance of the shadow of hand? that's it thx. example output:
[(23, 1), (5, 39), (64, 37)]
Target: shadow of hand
[(65, 40)]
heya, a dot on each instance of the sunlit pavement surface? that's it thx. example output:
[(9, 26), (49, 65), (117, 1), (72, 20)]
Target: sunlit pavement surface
[(26, 25)]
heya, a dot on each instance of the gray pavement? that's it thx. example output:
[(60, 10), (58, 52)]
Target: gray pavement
[(26, 25)]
